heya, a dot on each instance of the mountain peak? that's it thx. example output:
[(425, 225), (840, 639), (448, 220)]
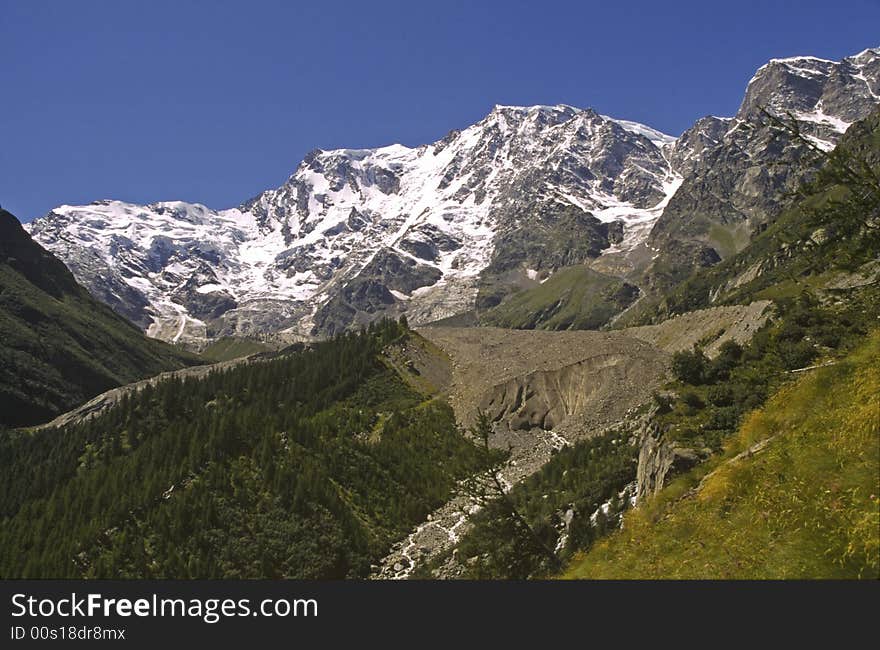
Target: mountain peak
[(866, 55), (354, 233), (535, 108), (812, 86), (794, 60)]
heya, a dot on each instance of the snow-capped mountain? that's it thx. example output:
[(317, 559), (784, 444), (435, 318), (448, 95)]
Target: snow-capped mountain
[(356, 232), (440, 229), (824, 96)]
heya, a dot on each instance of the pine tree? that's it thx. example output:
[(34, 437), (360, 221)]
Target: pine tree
[(489, 488)]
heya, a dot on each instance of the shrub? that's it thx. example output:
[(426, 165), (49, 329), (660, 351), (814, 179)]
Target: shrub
[(692, 399), (795, 355), (728, 358), (724, 418), (689, 367), (720, 395)]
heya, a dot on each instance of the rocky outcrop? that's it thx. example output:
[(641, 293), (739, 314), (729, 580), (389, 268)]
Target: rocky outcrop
[(550, 398), (661, 459), (687, 155)]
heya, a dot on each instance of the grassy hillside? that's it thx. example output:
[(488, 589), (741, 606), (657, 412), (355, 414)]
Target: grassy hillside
[(58, 345), (228, 348), (806, 505), (575, 297)]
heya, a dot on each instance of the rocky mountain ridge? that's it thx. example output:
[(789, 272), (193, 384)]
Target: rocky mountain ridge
[(739, 172), (357, 232), (457, 225)]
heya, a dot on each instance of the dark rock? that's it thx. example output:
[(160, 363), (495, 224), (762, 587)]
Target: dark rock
[(399, 273)]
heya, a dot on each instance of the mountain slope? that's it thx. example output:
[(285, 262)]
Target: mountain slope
[(58, 345), (574, 297), (826, 238), (739, 172), (794, 496), (357, 232), (308, 463)]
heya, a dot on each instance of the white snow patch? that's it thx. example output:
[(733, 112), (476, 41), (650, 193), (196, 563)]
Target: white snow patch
[(820, 117), (657, 137)]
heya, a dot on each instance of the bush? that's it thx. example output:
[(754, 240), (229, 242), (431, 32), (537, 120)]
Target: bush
[(692, 399), (795, 355), (790, 331), (754, 400), (829, 337), (689, 367), (720, 395), (729, 356), (724, 418)]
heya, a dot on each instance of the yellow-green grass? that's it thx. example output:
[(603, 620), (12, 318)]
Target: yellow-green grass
[(806, 506), (575, 297)]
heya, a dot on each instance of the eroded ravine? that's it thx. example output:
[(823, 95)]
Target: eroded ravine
[(574, 384), (444, 527), (545, 389)]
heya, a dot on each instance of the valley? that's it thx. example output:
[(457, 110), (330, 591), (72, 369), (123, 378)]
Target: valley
[(548, 344)]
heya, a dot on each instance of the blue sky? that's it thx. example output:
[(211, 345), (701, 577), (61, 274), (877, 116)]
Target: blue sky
[(213, 102)]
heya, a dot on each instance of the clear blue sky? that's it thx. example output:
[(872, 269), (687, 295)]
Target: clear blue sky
[(215, 101)]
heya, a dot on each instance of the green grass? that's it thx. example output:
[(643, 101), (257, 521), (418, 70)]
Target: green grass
[(807, 506), (728, 240), (575, 297), (228, 348)]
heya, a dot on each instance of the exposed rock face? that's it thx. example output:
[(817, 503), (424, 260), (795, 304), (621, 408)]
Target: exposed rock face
[(705, 135), (548, 399), (660, 460), (737, 173), (575, 381)]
